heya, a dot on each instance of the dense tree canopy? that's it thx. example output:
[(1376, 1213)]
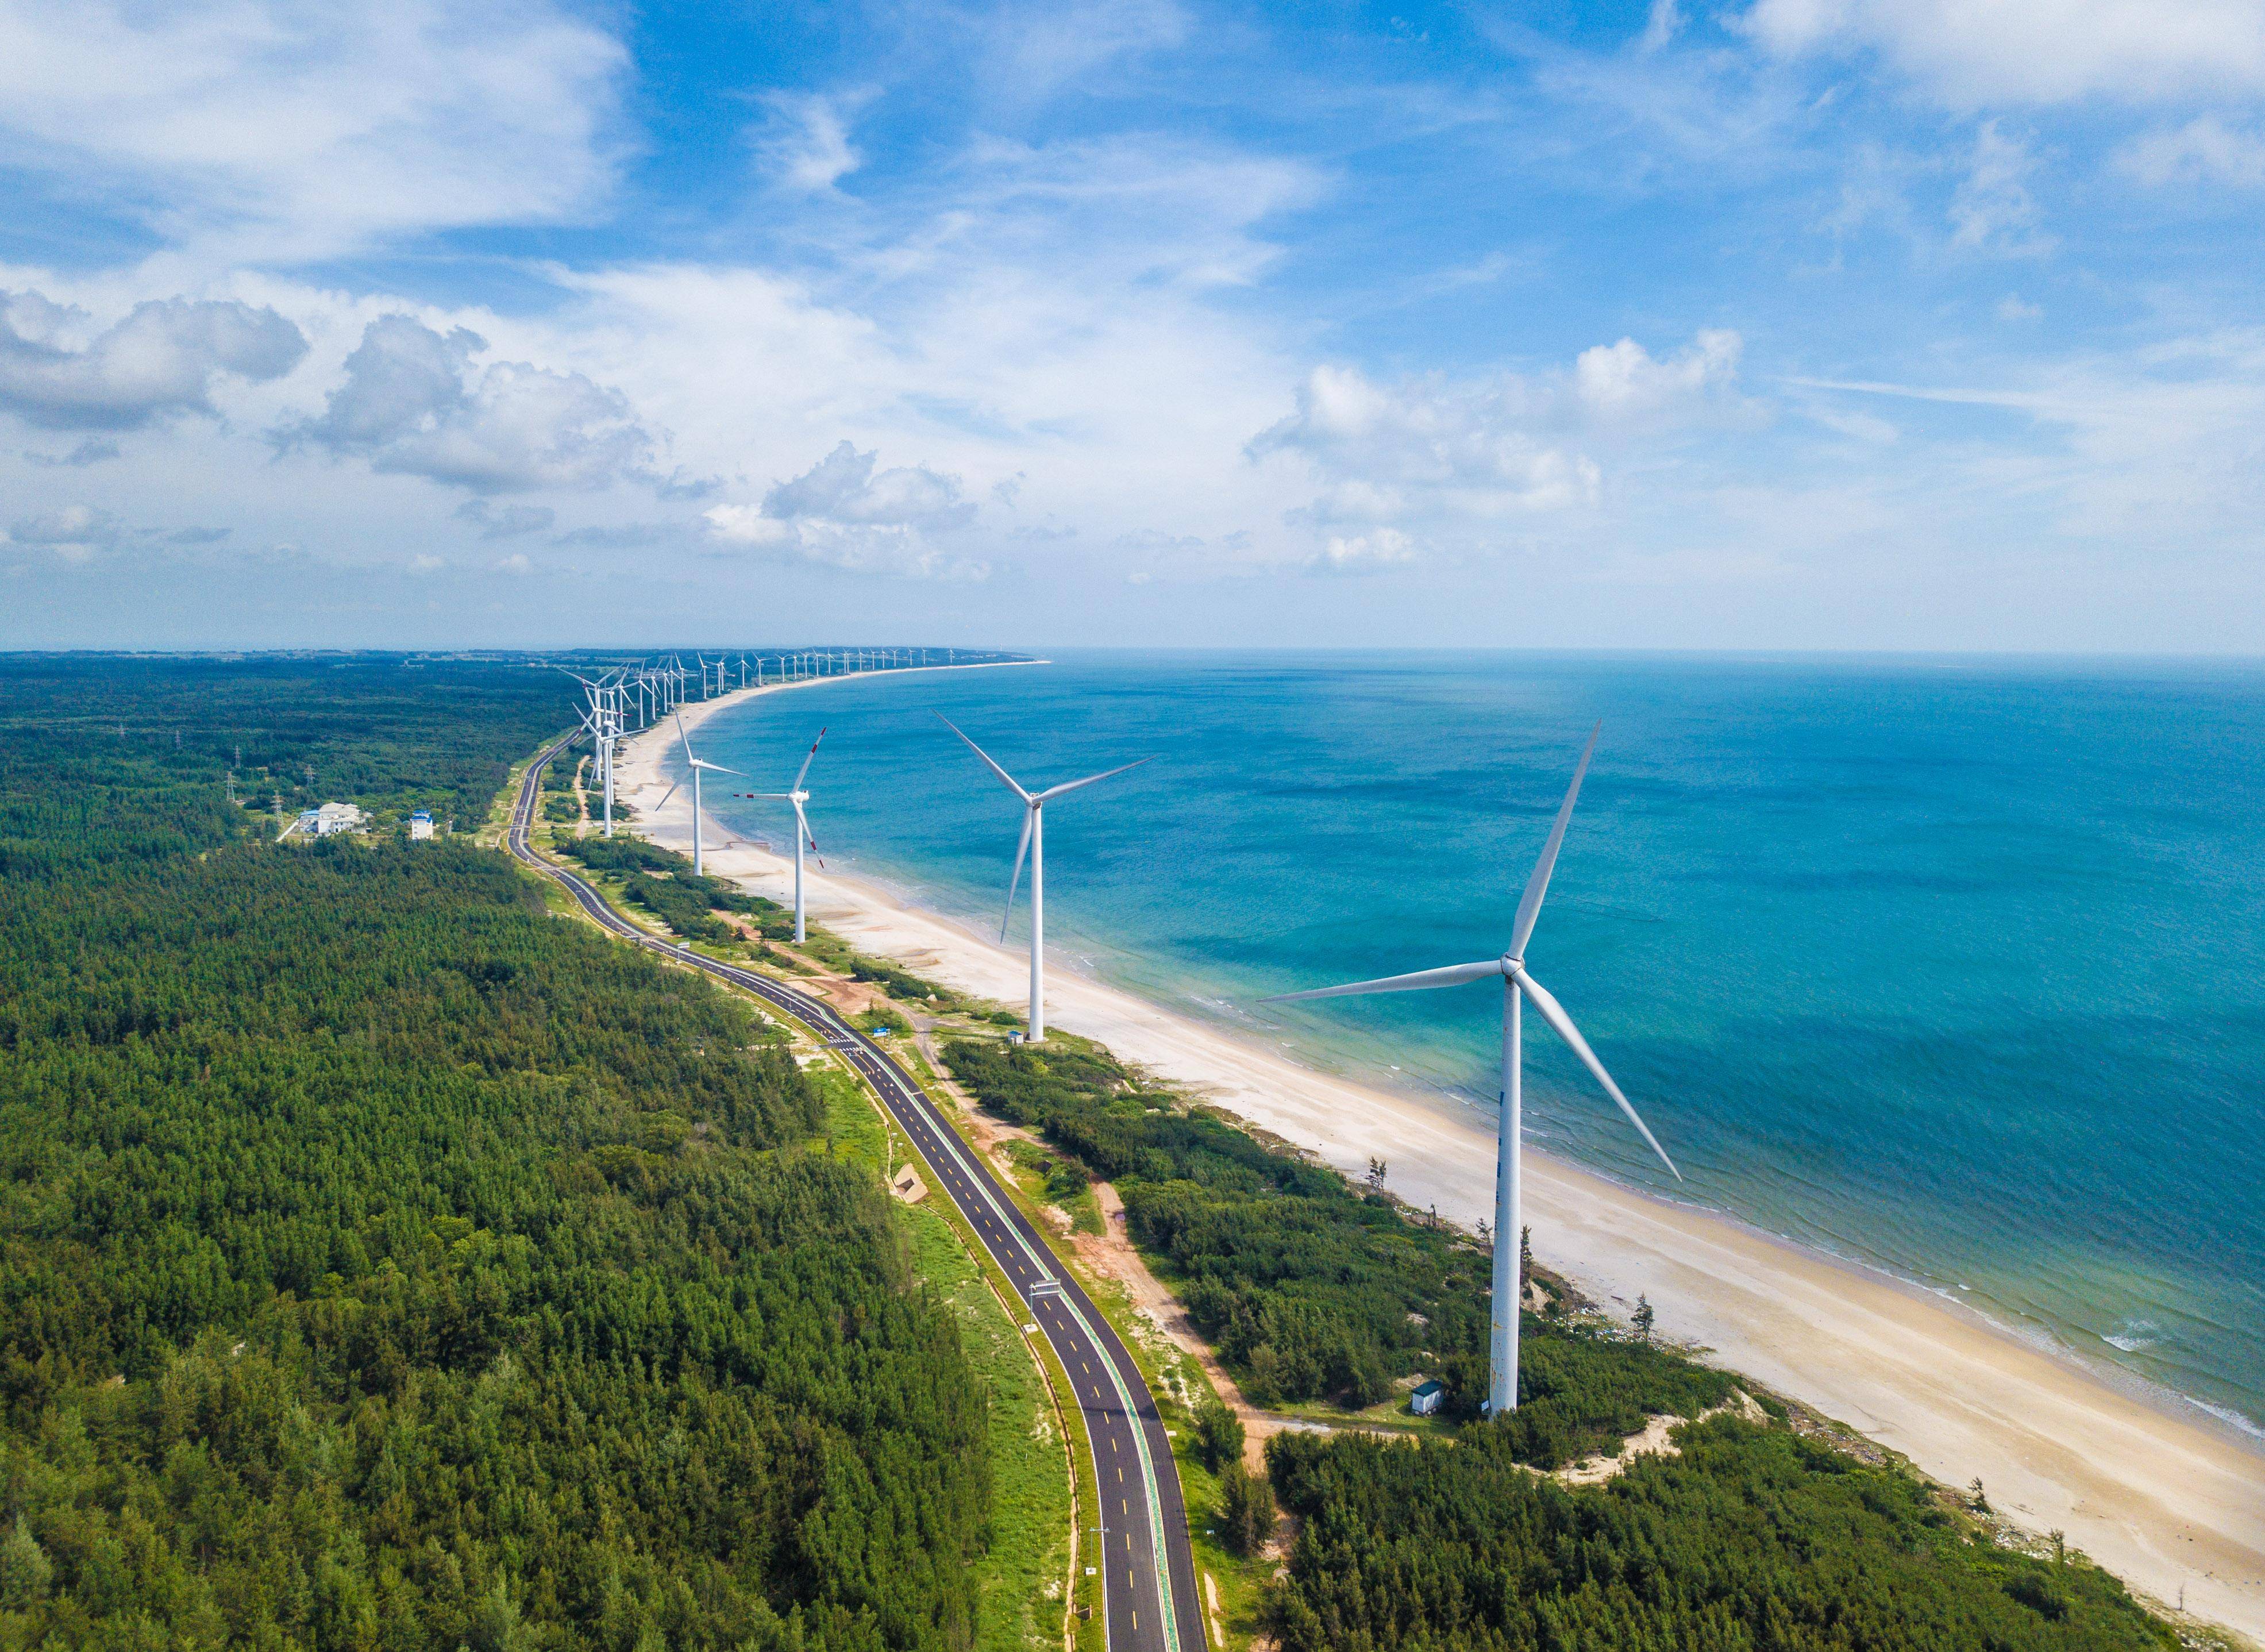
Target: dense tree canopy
[(394, 733), (1751, 1538), (386, 1263)]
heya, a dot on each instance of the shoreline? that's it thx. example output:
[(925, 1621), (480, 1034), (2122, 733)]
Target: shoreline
[(2165, 1501)]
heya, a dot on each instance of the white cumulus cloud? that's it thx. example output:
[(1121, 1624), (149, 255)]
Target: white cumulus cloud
[(845, 513), (1424, 447), (414, 403), (1401, 467), (1626, 381), (162, 359)]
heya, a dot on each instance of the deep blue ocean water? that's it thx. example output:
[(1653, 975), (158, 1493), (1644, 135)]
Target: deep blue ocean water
[(1956, 968)]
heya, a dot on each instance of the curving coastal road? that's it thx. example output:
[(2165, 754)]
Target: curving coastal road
[(1150, 1604)]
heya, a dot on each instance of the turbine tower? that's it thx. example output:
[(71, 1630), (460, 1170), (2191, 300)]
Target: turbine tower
[(798, 796), (698, 869), (1034, 844), (1517, 985)]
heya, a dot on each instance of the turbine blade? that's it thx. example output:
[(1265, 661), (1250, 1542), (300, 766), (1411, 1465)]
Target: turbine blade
[(680, 734), (1453, 975), (1072, 785), (1553, 1013), (665, 797), (802, 821), (802, 773), (1021, 849), (985, 756), (714, 768), (1529, 907)]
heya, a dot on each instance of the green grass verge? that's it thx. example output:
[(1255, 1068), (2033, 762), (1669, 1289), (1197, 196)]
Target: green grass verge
[(1021, 1576)]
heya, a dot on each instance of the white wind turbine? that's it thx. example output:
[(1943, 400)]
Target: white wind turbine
[(1034, 844), (1509, 968), (798, 796), (605, 728), (594, 720), (698, 869)]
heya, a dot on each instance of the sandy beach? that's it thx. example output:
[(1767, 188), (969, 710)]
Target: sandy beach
[(2172, 1504)]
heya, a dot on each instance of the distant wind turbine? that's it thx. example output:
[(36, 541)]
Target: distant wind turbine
[(1034, 845), (603, 721), (798, 796), (1509, 968), (698, 869)]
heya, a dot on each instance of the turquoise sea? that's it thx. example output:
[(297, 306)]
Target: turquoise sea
[(1954, 967)]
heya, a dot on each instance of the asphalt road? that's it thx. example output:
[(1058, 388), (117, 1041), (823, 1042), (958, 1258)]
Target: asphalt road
[(1148, 1607)]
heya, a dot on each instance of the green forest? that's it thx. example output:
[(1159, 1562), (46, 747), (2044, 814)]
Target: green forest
[(385, 1263), (1753, 1536)]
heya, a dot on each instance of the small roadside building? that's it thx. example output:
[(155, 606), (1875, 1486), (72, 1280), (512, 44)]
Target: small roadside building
[(420, 826), (1426, 1398)]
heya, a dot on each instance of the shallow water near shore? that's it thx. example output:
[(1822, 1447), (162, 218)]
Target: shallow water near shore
[(1952, 968)]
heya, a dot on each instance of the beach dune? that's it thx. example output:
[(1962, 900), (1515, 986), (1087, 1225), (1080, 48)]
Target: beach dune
[(2172, 1504)]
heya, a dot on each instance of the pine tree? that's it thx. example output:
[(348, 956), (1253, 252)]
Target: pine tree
[(1246, 1508), (1219, 1435)]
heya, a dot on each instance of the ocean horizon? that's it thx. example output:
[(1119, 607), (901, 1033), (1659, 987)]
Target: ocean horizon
[(1947, 966)]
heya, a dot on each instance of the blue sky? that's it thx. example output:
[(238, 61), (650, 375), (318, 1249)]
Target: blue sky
[(1776, 323)]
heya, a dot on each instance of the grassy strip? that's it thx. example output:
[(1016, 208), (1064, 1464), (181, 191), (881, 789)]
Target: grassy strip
[(1021, 1579)]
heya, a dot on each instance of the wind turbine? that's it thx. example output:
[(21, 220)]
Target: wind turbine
[(603, 721), (798, 796), (1034, 844), (697, 765), (594, 721), (1509, 968)]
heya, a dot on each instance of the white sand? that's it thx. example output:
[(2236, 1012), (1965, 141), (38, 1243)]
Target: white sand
[(2162, 1500)]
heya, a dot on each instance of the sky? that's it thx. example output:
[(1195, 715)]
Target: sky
[(1780, 324)]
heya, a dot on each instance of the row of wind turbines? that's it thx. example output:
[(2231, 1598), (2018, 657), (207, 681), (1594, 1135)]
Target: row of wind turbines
[(1518, 988), (629, 698)]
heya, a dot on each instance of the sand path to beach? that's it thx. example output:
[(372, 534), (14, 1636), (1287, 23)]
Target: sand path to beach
[(2164, 1500)]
